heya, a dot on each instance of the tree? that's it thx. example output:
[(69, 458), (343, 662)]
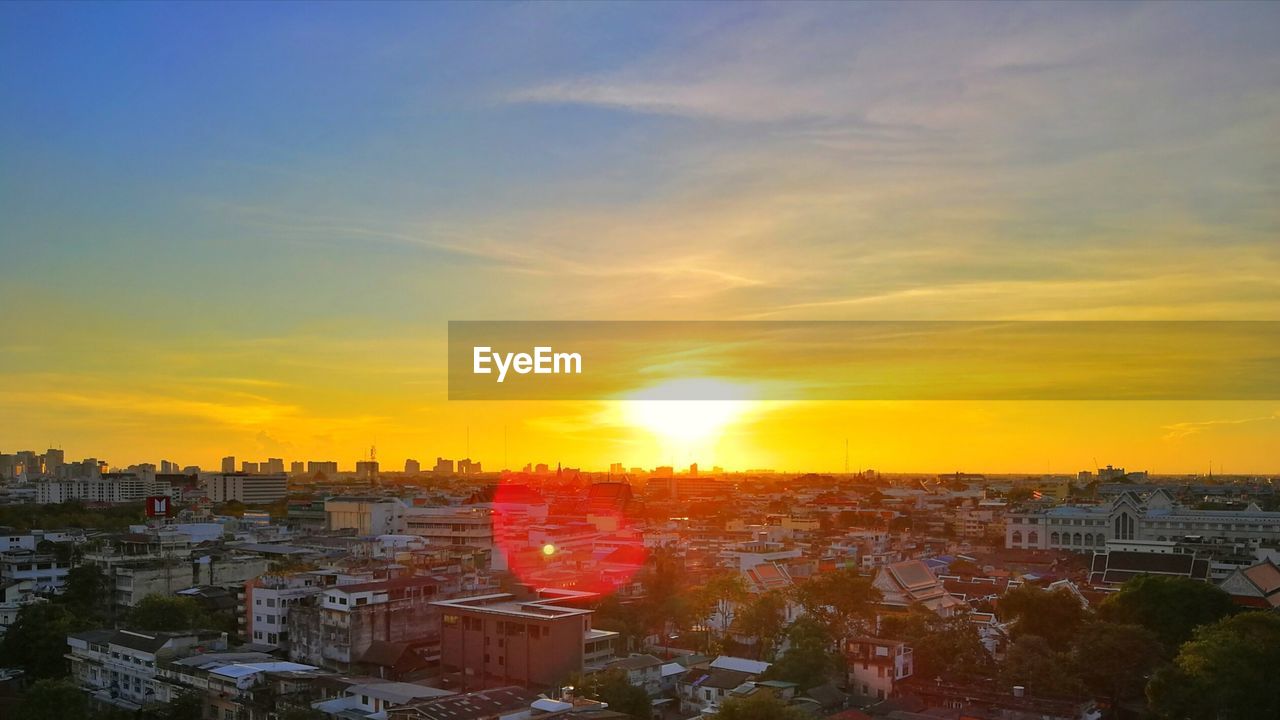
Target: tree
[(1032, 663), (1113, 660), (808, 660), (761, 706), (964, 568), (1230, 669), (37, 639), (168, 612), (53, 700), (86, 590), (187, 706), (1053, 615), (941, 647), (1170, 607), (721, 595), (842, 600), (763, 618), (612, 687)]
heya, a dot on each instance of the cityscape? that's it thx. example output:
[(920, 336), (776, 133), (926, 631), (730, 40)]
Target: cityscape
[(260, 591), (624, 360)]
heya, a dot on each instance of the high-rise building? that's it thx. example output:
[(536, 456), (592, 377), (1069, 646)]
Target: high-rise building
[(444, 466), (53, 461), (248, 467), (274, 466), (246, 488), (328, 468), (367, 470), (297, 467), (412, 467), (229, 464)]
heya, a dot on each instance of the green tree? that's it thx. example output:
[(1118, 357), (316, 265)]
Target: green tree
[(612, 614), (53, 700), (1053, 615), (1170, 607), (808, 660), (168, 612), (761, 706), (1230, 669), (843, 600), (188, 706), (37, 639), (1032, 663), (941, 647), (721, 595), (86, 591), (1113, 660), (613, 688), (763, 618)]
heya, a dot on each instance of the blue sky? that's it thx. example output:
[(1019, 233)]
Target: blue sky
[(254, 184)]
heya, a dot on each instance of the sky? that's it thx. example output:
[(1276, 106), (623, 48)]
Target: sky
[(242, 228)]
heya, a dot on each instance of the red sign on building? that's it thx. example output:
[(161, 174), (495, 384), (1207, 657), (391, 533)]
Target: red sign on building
[(158, 506)]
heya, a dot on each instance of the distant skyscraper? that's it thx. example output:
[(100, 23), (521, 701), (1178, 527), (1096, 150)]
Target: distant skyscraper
[(444, 466), (367, 470), (53, 461), (273, 466), (248, 467), (297, 467), (229, 464), (412, 467)]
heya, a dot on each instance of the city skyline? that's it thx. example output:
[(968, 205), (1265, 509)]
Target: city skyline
[(247, 226)]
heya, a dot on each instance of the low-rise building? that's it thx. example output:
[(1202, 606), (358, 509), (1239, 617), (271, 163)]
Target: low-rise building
[(120, 667), (336, 627), (536, 641), (875, 666)]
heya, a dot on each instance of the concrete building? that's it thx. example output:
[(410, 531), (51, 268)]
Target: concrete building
[(268, 599), (120, 667), (337, 627), (875, 666), (123, 487), (365, 515), (536, 641), (229, 464), (1133, 516), (470, 525), (412, 467), (45, 572), (250, 489), (134, 580)]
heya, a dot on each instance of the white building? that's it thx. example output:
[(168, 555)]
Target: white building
[(119, 666), (1129, 517), (470, 525), (248, 489)]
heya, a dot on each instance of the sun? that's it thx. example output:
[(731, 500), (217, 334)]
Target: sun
[(664, 411)]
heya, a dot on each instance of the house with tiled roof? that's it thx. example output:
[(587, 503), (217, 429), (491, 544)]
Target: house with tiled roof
[(905, 583), (1257, 586)]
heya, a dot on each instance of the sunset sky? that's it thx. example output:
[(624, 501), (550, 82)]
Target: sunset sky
[(242, 228)]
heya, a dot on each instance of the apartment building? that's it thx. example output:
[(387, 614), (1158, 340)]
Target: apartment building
[(875, 666), (46, 573), (250, 489), (469, 525), (113, 488), (365, 515), (120, 667), (336, 628), (268, 599), (534, 641)]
